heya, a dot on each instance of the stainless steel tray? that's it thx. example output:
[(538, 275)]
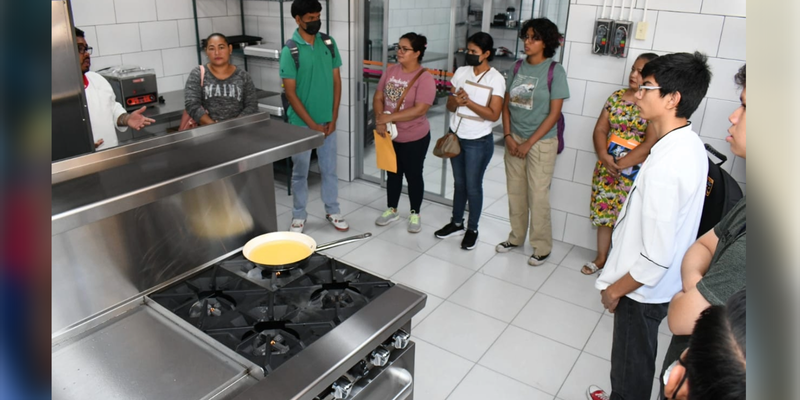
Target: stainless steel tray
[(141, 354)]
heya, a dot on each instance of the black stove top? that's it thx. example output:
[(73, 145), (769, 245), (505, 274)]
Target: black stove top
[(268, 317)]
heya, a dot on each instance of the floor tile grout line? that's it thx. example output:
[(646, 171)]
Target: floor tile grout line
[(498, 372), (583, 350)]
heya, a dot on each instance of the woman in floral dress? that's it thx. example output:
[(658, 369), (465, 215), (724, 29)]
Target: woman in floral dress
[(620, 127)]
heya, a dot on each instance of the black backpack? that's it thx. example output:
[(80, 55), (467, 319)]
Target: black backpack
[(295, 53), (722, 193)]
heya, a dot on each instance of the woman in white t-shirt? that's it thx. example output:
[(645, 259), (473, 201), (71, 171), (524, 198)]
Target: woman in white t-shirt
[(472, 122)]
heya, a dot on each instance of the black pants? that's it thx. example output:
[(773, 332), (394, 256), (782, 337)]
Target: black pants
[(633, 351), (410, 160)]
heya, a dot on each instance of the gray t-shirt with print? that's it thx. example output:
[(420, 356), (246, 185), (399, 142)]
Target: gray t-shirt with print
[(222, 98)]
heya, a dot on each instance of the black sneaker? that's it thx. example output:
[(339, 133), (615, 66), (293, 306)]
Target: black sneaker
[(470, 238), (450, 229), (537, 260)]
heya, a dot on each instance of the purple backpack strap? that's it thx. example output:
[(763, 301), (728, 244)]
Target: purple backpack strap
[(516, 66), (560, 124)]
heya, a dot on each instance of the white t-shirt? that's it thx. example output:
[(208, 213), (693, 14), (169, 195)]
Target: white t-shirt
[(103, 110), (660, 218), (471, 129)]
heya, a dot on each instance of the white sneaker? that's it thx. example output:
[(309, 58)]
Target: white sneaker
[(297, 225), (338, 222)]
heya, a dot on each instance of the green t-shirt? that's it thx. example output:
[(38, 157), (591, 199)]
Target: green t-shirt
[(314, 77), (529, 99), (727, 273)]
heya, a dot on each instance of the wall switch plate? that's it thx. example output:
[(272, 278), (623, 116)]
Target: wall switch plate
[(641, 30)]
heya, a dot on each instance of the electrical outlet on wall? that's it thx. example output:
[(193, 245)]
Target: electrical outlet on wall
[(641, 30)]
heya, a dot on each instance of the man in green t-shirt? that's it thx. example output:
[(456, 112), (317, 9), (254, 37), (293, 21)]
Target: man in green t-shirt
[(313, 87), (714, 267)]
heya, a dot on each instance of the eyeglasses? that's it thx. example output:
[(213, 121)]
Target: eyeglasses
[(669, 371), (85, 49), (642, 88), (404, 49)]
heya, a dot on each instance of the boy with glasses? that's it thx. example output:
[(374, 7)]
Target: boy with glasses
[(657, 223)]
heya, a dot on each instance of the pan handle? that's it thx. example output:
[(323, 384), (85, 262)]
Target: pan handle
[(340, 242)]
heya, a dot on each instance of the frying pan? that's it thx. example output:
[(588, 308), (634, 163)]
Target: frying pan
[(296, 237)]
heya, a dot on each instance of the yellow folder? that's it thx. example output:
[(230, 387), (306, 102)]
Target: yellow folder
[(384, 150)]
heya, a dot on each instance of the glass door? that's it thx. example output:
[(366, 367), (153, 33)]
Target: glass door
[(374, 56), (382, 23)]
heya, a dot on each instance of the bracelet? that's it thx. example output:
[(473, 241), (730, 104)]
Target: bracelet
[(506, 135)]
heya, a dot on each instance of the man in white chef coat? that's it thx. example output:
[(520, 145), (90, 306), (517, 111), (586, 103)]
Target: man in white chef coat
[(106, 115)]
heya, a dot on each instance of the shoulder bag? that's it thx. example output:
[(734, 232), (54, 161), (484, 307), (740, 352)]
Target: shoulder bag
[(447, 146), (186, 120)]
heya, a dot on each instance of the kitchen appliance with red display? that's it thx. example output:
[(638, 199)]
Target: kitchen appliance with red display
[(134, 86)]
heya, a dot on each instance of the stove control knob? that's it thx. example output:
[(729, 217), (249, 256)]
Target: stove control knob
[(341, 388), (400, 339), (379, 357)]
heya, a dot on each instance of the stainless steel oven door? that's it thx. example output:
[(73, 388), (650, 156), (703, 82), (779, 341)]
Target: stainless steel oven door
[(394, 381)]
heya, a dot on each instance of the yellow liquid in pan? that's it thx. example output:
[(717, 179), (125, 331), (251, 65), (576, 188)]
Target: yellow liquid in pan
[(279, 252)]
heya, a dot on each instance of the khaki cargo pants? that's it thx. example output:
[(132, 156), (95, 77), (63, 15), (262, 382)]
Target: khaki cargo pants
[(528, 182)]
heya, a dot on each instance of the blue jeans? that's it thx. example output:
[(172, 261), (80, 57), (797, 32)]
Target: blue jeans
[(633, 348), (326, 154), (468, 169)]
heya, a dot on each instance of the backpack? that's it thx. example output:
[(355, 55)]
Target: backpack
[(560, 124), (722, 193), (295, 53)]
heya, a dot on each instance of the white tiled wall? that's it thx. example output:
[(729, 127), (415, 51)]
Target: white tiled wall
[(714, 27), (159, 34)]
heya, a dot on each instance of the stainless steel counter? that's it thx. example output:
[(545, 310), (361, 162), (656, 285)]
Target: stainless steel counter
[(140, 350), (119, 183)]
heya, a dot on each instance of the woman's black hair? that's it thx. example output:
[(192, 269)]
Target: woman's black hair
[(546, 30), (217, 34), (303, 7), (716, 363), (741, 77), (485, 42), (418, 43), (647, 57)]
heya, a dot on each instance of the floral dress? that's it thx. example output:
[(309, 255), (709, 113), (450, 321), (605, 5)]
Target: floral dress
[(609, 193)]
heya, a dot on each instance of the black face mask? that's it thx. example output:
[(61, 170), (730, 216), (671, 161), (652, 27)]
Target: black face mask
[(313, 27), (473, 60)]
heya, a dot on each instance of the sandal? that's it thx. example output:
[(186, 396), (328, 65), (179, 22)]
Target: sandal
[(590, 266)]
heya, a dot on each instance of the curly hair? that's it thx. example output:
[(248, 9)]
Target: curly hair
[(545, 30), (741, 77)]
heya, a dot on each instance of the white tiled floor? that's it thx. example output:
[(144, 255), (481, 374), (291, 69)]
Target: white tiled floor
[(493, 327)]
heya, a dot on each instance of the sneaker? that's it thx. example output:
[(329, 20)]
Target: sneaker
[(338, 222), (595, 393), (470, 239), (297, 225), (450, 229), (504, 247), (414, 224), (388, 216), (537, 260)]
